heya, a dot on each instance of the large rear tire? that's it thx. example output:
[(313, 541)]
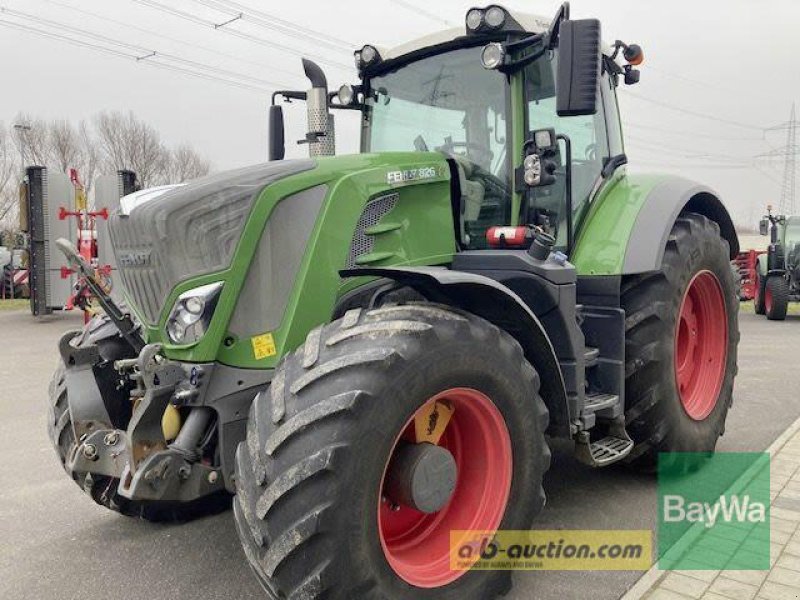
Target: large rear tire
[(681, 343), (312, 510), (103, 489), (776, 298)]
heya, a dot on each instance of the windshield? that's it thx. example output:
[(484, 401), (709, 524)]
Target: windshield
[(449, 103)]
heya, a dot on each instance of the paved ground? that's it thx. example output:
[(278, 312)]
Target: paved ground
[(57, 544), (782, 580)]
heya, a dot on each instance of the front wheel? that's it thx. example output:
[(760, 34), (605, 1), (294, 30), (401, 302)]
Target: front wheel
[(682, 335), (386, 431), (776, 298)]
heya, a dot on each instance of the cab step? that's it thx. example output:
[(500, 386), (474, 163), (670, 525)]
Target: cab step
[(590, 356), (610, 449)]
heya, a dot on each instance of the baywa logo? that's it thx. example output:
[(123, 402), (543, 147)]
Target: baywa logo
[(713, 511), (734, 509)]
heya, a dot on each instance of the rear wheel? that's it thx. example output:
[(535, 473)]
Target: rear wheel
[(758, 298), (776, 298), (681, 343), (388, 429)]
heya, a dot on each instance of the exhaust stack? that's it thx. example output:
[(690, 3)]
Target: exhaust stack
[(321, 135)]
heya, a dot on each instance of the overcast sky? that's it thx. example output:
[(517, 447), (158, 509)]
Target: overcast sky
[(735, 60)]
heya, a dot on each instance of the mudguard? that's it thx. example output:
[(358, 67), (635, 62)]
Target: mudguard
[(499, 305), (628, 224)]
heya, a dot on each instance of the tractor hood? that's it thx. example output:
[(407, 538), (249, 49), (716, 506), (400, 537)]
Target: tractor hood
[(166, 235)]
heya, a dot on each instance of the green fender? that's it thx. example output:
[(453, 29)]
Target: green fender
[(625, 228)]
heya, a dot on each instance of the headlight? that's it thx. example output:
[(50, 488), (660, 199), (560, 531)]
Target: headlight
[(493, 55), (346, 95), (191, 315)]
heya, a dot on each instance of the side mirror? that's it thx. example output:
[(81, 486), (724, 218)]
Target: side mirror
[(277, 144), (763, 227), (578, 68)]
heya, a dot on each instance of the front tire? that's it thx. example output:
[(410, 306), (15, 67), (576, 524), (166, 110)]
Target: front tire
[(681, 343), (776, 298), (310, 507)]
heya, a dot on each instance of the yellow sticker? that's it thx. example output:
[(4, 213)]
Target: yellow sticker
[(431, 421), (263, 346)]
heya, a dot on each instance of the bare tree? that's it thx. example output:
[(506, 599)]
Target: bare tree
[(8, 191), (126, 142), (32, 139), (64, 145), (89, 158), (185, 163)]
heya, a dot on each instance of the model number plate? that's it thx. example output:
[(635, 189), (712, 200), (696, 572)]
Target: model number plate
[(411, 175)]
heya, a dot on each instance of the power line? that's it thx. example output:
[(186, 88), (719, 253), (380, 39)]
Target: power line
[(142, 53), (169, 38), (134, 57), (418, 10), (691, 134), (693, 112), (240, 34), (274, 23)]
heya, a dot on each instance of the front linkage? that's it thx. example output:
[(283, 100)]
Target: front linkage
[(125, 403)]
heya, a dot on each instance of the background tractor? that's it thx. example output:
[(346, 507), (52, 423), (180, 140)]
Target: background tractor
[(370, 350), (778, 271)]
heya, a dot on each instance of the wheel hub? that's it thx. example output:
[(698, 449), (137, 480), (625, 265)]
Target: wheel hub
[(421, 476)]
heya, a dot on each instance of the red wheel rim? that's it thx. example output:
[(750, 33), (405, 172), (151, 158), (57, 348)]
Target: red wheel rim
[(417, 545), (701, 345), (768, 299), (757, 294)]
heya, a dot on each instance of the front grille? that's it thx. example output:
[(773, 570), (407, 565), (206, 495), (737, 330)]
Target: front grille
[(187, 231), (373, 212), (143, 277)]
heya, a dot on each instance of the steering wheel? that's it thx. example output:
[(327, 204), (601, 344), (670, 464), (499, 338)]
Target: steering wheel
[(449, 146), (591, 152)]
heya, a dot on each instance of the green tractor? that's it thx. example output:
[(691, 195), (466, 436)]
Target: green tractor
[(778, 271), (372, 351)]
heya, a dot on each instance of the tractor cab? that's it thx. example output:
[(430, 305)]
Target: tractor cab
[(479, 95)]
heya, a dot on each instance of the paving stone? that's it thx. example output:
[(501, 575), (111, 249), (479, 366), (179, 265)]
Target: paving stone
[(792, 548), (780, 511), (702, 574), (733, 589), (785, 577), (776, 591), (688, 586), (755, 578), (662, 594), (788, 561), (782, 525)]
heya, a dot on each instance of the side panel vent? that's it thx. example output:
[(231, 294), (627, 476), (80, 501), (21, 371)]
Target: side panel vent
[(373, 212)]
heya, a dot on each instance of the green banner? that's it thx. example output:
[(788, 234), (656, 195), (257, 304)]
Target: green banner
[(713, 511)]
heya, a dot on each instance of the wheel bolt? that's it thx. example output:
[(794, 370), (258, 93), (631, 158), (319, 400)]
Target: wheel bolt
[(111, 438), (90, 452)]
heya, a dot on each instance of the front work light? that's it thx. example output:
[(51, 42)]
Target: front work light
[(346, 95), (474, 19), (495, 17), (493, 55), (191, 315)]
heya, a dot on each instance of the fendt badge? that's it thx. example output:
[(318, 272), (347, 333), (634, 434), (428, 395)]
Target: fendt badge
[(411, 175), (134, 259)]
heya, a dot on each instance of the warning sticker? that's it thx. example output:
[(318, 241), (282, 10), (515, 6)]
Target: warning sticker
[(263, 346)]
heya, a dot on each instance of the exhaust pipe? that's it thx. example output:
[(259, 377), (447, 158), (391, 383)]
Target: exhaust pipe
[(321, 134)]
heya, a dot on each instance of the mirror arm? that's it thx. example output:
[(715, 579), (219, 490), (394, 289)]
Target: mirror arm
[(568, 188), (288, 95)]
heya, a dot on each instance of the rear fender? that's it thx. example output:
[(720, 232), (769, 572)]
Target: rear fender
[(628, 226), (499, 305)]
